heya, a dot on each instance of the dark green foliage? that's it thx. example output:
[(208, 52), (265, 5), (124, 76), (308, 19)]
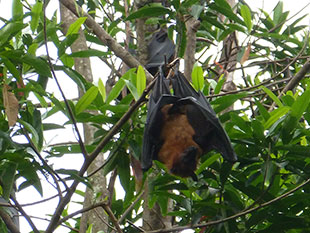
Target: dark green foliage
[(269, 131)]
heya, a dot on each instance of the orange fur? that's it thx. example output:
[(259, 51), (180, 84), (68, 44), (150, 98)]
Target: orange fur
[(177, 136)]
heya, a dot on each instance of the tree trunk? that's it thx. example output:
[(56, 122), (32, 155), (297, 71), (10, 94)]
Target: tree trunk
[(96, 217), (229, 56), (192, 26)]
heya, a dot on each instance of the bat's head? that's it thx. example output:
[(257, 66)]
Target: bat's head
[(187, 163)]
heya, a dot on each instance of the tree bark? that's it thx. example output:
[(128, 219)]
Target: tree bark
[(192, 26), (229, 59), (98, 181)]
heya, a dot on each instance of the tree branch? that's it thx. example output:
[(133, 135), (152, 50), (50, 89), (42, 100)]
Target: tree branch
[(25, 215), (297, 78), (8, 222), (130, 207)]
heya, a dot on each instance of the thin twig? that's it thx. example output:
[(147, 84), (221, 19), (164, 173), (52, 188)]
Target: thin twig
[(48, 220), (130, 207), (25, 215), (133, 225), (48, 168), (86, 209), (39, 202), (113, 218)]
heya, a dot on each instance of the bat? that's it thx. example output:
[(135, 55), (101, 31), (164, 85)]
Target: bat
[(160, 51), (181, 127)]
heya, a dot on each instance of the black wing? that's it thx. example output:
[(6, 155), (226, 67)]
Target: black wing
[(209, 133), (151, 139), (160, 49)]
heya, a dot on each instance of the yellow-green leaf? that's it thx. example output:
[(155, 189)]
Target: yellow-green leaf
[(246, 15), (197, 77), (75, 27), (86, 99), (102, 91), (141, 80), (272, 96), (35, 15)]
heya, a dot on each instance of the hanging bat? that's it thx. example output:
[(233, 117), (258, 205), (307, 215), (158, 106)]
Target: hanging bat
[(160, 51), (181, 127)]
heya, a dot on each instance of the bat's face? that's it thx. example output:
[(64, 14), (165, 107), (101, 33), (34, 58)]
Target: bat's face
[(187, 163)]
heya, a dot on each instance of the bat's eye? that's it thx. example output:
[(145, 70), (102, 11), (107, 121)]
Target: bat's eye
[(189, 156)]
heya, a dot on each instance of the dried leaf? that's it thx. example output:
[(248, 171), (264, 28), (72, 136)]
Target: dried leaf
[(137, 171), (10, 105), (246, 54)]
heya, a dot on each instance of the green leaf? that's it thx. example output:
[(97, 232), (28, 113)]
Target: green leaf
[(75, 27), (74, 175), (11, 68), (39, 64), (223, 7), (123, 170), (67, 61), (101, 89), (132, 88), (197, 77), (272, 96), (224, 102), (219, 85), (149, 10), (9, 30), (300, 105), (116, 90), (241, 123), (298, 108), (276, 115), (17, 10), (246, 15), (141, 80), (51, 126), (208, 162), (41, 100), (258, 130), (86, 99), (263, 111), (28, 170), (223, 3), (35, 15), (31, 130), (89, 53), (75, 76), (7, 175), (196, 10), (277, 13)]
